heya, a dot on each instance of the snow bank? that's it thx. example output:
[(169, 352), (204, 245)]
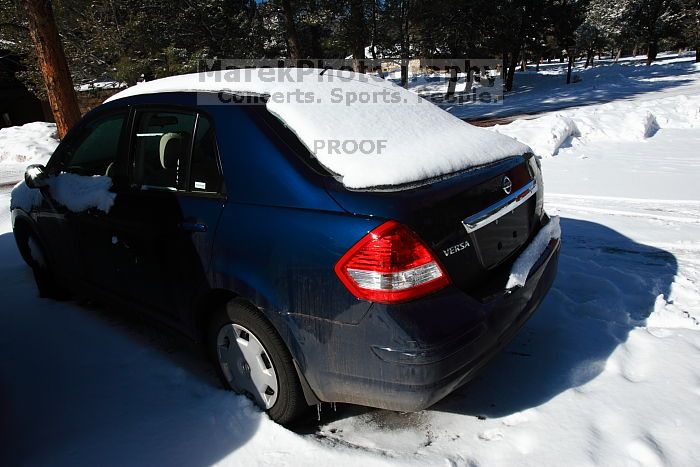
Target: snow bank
[(617, 121), (76, 192), (405, 138), (32, 143), (614, 124), (522, 266)]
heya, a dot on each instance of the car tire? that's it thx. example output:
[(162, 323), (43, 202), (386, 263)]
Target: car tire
[(34, 254), (251, 359)]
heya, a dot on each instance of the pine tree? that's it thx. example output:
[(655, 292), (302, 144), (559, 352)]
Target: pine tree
[(652, 20), (601, 27), (52, 64)]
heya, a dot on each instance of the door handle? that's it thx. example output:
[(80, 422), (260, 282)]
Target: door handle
[(193, 227)]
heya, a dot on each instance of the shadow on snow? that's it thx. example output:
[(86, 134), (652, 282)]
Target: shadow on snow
[(534, 92), (91, 386), (606, 286), (78, 393)]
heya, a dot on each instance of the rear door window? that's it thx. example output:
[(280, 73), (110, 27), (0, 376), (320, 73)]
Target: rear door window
[(205, 172), (163, 142), (176, 151)]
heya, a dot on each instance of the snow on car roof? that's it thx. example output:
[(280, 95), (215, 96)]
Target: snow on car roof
[(368, 131)]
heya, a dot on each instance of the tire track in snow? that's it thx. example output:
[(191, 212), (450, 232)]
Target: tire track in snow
[(689, 202), (693, 217), (336, 441)]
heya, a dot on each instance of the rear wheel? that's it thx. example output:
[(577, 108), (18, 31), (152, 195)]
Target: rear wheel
[(252, 360)]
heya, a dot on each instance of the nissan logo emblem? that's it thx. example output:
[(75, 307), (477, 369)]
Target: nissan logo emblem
[(507, 185)]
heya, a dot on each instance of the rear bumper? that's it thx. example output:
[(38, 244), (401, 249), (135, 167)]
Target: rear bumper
[(408, 356)]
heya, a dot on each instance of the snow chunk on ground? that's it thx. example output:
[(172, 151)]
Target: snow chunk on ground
[(522, 266), (619, 125), (405, 138), (668, 315), (76, 192), (545, 135)]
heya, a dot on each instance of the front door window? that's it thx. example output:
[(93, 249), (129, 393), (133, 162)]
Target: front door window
[(97, 147)]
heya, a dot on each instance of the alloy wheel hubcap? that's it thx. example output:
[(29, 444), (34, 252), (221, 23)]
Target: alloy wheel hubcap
[(246, 364)]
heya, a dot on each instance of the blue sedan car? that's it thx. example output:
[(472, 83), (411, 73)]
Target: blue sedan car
[(222, 223)]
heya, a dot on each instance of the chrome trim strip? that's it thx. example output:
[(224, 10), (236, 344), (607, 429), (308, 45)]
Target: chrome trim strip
[(500, 209)]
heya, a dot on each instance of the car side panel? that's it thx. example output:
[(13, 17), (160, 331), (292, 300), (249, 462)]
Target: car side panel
[(281, 258), (261, 170), (282, 261)]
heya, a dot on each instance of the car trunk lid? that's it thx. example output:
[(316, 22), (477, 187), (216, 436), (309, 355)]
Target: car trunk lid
[(474, 221)]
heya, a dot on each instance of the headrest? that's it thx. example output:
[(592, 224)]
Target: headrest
[(172, 146)]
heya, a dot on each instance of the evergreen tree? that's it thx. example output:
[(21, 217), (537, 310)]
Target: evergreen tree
[(653, 20)]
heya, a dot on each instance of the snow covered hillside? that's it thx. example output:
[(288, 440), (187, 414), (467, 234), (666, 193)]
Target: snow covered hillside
[(605, 373), (546, 90)]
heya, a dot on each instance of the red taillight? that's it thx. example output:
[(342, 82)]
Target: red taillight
[(390, 264)]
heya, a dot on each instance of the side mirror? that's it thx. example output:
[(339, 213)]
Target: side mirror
[(36, 176)]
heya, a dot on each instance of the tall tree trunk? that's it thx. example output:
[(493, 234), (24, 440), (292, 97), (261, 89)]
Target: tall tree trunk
[(523, 62), (405, 43), (589, 58), (619, 54), (292, 36), (315, 46), (374, 29), (569, 67), (510, 76), (357, 31), (504, 65), (52, 64), (652, 51)]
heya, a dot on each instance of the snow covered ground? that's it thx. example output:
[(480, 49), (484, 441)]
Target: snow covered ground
[(546, 90), (605, 373), (23, 145)]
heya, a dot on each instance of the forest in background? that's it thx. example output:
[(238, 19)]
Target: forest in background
[(132, 40)]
